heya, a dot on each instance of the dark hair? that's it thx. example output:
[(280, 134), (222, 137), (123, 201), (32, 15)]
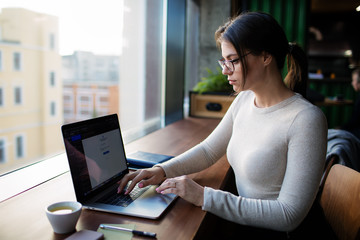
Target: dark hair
[(260, 32)]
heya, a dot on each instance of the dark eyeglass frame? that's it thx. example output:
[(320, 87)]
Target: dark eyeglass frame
[(226, 63)]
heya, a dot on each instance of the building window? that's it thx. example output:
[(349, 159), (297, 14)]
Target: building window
[(52, 41), (2, 151), (1, 97), (17, 95), (17, 61), (1, 61), (53, 108), (52, 79), (19, 146), (85, 106)]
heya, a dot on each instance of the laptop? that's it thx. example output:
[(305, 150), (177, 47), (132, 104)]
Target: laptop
[(97, 161)]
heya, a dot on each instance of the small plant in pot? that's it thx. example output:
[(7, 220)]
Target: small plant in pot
[(212, 96), (215, 82)]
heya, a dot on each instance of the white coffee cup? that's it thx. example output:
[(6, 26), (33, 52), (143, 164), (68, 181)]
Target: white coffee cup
[(63, 216)]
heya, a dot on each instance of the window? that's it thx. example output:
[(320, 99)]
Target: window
[(2, 151), (52, 108), (116, 65), (1, 97), (19, 146), (52, 41), (17, 96), (1, 58), (68, 102), (17, 61), (85, 105), (52, 79)]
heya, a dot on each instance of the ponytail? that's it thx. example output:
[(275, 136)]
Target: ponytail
[(297, 68)]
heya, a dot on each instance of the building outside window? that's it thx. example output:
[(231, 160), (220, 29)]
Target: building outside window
[(118, 68)]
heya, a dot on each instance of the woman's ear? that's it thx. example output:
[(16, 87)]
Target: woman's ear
[(267, 58)]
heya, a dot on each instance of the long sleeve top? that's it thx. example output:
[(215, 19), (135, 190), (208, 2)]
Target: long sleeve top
[(277, 154)]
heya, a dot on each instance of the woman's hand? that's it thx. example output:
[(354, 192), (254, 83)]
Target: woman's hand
[(184, 187), (148, 176)]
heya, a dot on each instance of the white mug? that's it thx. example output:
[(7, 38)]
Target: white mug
[(63, 216)]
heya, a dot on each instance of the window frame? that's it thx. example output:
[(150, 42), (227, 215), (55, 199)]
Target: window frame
[(173, 58)]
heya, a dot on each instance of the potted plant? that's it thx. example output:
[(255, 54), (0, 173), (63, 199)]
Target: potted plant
[(212, 96)]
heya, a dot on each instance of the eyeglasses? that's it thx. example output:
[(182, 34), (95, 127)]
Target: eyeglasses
[(229, 64)]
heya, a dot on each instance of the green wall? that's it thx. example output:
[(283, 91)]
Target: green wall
[(293, 16)]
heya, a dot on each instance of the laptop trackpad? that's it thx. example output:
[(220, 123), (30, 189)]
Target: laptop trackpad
[(149, 205)]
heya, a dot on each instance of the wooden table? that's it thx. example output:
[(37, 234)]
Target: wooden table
[(23, 216)]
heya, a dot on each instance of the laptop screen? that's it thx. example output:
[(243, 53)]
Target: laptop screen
[(95, 153)]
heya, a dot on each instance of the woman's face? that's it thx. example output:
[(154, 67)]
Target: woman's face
[(236, 77)]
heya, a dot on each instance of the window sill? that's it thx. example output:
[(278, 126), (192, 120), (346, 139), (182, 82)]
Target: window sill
[(31, 176)]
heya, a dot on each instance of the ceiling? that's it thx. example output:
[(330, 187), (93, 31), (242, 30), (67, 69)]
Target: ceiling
[(334, 5)]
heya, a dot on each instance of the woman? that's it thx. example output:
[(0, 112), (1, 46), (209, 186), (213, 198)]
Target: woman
[(275, 140)]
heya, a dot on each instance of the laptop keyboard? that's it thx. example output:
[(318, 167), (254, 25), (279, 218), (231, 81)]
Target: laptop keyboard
[(121, 199)]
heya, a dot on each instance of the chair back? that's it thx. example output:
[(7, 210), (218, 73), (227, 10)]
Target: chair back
[(340, 201)]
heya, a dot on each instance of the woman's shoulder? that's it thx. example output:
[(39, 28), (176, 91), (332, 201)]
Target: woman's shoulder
[(309, 113)]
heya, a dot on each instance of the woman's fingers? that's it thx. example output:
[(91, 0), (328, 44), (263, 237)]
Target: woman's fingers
[(184, 187), (144, 177), (124, 181), (168, 186)]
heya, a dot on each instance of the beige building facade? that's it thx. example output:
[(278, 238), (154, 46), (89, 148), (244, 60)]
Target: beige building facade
[(30, 88)]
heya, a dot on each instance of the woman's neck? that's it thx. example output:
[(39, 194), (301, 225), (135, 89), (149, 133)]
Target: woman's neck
[(271, 93)]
